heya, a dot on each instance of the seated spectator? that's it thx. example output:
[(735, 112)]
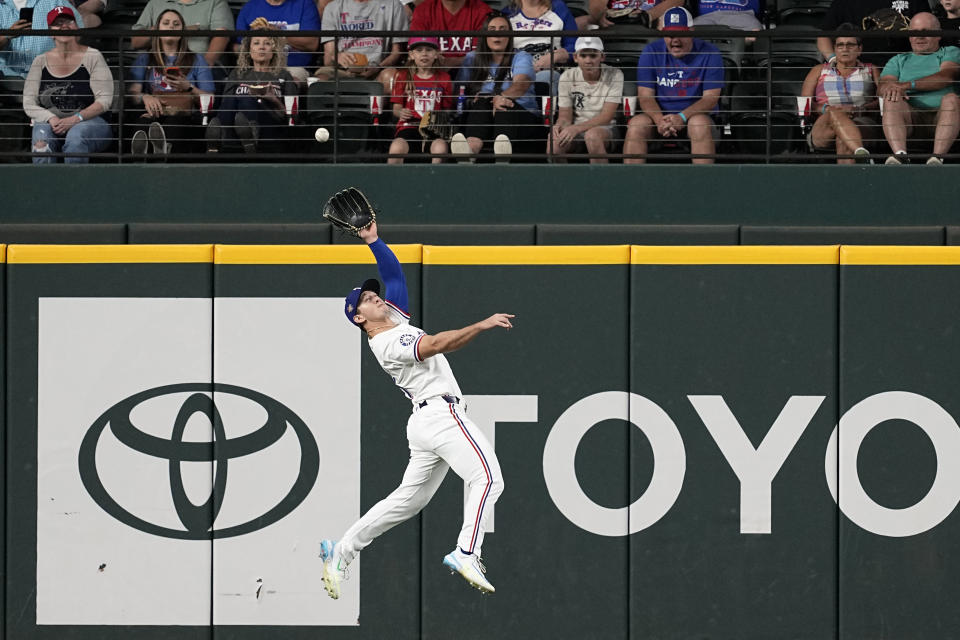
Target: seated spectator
[(917, 90), (949, 15), (197, 14), (363, 56), (451, 15), (421, 88), (844, 97), (286, 15), (18, 52), (679, 80), (736, 14), (643, 13), (168, 81), (876, 50), (499, 83), (253, 109), (588, 99), (66, 92), (550, 55)]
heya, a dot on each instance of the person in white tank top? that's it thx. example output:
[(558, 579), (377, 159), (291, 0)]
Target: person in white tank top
[(440, 434)]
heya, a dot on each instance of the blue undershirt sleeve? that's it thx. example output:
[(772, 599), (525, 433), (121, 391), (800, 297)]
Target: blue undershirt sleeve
[(394, 282)]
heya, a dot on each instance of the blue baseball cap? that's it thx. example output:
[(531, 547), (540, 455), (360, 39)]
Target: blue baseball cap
[(352, 301), (676, 19)]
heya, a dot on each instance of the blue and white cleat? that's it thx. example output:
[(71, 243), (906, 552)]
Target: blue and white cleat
[(333, 571), (470, 567)]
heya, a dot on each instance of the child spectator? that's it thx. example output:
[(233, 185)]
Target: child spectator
[(549, 54), (422, 87), (588, 99)]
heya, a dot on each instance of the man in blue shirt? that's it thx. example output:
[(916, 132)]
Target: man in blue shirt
[(286, 15), (679, 80)]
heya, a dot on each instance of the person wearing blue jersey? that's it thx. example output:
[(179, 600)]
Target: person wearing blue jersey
[(679, 80), (440, 434), (550, 55)]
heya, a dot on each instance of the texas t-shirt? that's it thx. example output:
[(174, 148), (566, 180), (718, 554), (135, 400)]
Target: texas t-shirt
[(357, 17), (431, 15), (679, 82), (429, 94)]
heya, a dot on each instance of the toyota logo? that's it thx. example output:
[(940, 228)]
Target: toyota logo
[(198, 520)]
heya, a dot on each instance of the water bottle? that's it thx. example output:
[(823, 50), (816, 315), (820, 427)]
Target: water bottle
[(461, 100)]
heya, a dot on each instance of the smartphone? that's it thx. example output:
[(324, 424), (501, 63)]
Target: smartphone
[(27, 14), (172, 72)]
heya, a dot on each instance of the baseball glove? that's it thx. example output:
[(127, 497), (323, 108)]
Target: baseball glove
[(350, 211), (436, 124)]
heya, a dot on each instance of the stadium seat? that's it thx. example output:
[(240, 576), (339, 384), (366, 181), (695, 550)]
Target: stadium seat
[(345, 108)]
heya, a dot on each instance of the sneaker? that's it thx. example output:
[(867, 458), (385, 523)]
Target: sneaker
[(861, 156), (460, 147), (502, 148), (898, 158), (158, 138), (470, 567), (213, 135), (139, 143), (333, 574), (935, 160), (247, 132)]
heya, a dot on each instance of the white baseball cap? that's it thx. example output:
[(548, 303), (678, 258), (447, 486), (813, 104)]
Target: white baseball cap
[(588, 42)]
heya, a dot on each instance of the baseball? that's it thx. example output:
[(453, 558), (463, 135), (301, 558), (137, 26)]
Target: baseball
[(322, 135)]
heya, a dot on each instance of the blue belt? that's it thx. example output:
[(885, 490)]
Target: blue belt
[(446, 398)]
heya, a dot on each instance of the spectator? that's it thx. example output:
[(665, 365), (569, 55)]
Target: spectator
[(67, 90), (876, 50), (607, 13), (549, 54), (197, 14), (363, 56), (499, 81), (451, 15), (253, 107), (421, 88), (18, 52), (736, 14), (844, 93), (917, 90), (949, 16), (168, 81), (679, 80), (286, 15), (589, 96)]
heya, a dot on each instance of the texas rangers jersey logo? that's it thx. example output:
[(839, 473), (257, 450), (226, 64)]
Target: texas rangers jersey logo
[(407, 339)]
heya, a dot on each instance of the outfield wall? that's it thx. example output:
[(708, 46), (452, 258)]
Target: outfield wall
[(184, 422), (818, 194)]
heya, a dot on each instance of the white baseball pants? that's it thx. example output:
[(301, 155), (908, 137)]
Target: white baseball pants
[(441, 437)]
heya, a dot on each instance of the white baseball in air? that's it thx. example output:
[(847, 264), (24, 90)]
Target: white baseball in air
[(322, 135)]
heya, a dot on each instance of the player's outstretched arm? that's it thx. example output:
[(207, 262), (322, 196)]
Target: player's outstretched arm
[(394, 282), (447, 341)]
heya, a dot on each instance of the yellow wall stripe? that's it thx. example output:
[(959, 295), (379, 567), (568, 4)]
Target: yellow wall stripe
[(3, 253), (899, 255), (735, 255), (309, 254), (108, 253), (617, 254)]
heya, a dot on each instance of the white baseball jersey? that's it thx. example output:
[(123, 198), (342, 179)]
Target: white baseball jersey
[(397, 351)]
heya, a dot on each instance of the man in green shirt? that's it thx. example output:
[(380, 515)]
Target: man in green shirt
[(917, 93)]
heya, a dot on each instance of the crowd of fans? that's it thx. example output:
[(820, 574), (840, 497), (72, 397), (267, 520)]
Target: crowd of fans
[(518, 92)]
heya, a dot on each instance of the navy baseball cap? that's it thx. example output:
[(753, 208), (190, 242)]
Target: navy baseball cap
[(352, 300), (677, 19)]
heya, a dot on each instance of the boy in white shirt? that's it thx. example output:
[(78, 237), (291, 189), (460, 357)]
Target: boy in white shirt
[(588, 96)]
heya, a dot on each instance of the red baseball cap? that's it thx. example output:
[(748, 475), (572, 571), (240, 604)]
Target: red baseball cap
[(56, 12)]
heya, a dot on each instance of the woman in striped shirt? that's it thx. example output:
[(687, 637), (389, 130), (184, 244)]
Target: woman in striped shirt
[(843, 93)]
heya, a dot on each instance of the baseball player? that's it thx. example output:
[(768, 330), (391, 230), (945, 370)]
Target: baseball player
[(439, 433)]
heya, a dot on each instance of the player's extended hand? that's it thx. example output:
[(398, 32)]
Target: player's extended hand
[(369, 235), (498, 320)]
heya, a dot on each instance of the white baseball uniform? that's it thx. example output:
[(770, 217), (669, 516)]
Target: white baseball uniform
[(439, 433)]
